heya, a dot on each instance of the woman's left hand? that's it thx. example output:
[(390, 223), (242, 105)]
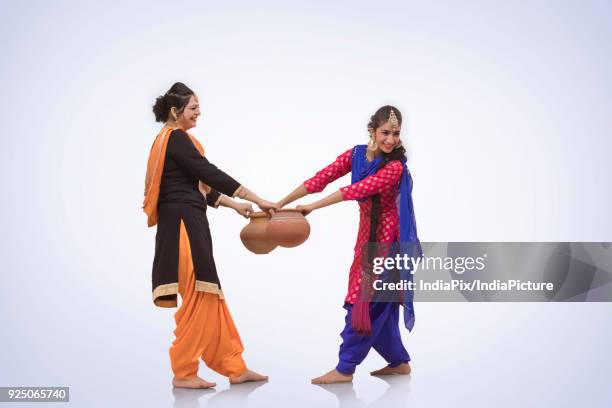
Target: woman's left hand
[(305, 209), (244, 209)]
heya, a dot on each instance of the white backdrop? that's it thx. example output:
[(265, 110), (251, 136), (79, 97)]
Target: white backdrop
[(507, 120)]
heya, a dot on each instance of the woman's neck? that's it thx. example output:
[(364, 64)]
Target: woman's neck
[(371, 155), (173, 124)]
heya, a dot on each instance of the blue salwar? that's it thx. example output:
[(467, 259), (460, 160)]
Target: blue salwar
[(385, 338)]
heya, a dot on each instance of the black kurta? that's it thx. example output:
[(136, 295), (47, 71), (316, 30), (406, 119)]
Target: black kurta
[(180, 199)]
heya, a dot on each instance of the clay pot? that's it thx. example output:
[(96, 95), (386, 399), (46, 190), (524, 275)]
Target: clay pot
[(254, 235), (288, 228)]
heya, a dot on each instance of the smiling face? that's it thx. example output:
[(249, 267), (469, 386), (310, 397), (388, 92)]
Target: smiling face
[(188, 117), (387, 137)]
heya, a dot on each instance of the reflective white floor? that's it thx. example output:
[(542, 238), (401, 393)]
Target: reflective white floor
[(464, 355)]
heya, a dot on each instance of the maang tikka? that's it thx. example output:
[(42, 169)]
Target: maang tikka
[(393, 120)]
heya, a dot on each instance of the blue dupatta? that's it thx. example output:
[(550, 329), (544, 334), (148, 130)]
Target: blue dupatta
[(409, 242)]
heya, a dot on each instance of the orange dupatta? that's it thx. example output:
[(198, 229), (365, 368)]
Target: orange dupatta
[(155, 168)]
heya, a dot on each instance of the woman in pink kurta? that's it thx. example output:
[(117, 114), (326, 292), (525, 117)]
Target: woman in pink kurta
[(385, 183), (378, 171)]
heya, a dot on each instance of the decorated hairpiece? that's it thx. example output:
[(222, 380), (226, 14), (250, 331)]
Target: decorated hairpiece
[(393, 120)]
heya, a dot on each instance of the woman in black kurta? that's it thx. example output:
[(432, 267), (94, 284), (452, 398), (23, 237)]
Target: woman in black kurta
[(180, 184), (180, 199)]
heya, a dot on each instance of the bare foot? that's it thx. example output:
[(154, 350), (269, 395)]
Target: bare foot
[(193, 382), (248, 377), (332, 377), (402, 369)]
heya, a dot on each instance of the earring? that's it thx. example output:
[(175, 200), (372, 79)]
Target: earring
[(372, 145)]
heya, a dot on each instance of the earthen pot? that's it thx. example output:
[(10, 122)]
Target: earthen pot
[(254, 235), (288, 228)]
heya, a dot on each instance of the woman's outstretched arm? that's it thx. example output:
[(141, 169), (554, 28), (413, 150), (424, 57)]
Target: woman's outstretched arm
[(331, 199), (316, 184), (249, 195), (183, 151), (296, 194), (243, 209)]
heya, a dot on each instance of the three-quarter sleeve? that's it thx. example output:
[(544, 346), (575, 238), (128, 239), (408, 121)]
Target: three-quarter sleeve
[(213, 198), (383, 180), (185, 154), (337, 169)]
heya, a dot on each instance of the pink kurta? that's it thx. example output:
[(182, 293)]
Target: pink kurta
[(386, 183)]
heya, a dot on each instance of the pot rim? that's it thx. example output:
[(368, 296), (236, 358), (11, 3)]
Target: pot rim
[(288, 210), (258, 214)]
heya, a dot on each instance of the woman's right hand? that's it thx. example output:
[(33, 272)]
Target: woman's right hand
[(267, 206)]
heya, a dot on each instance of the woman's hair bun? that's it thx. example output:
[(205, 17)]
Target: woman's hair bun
[(177, 96), (160, 109)]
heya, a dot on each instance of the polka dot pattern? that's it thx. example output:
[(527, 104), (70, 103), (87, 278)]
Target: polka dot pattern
[(387, 231), (385, 182), (337, 169)]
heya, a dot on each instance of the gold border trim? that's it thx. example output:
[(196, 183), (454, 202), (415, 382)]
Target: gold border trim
[(172, 289), (164, 290), (208, 287)]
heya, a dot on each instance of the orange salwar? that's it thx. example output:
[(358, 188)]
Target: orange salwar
[(204, 326)]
